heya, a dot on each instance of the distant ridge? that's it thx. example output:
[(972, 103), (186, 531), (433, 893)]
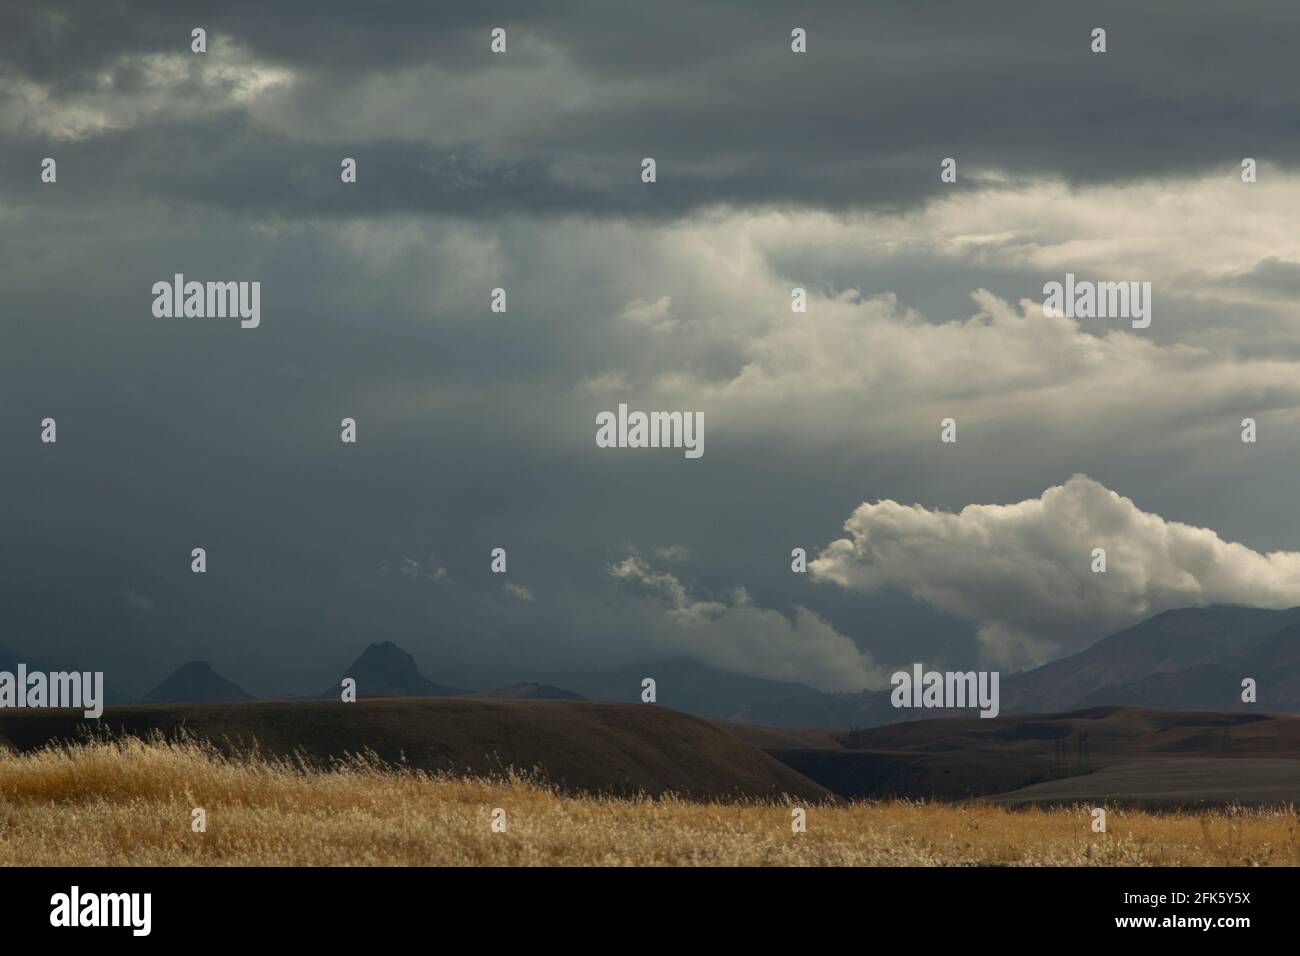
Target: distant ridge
[(696, 688), (197, 683), (385, 670), (528, 691)]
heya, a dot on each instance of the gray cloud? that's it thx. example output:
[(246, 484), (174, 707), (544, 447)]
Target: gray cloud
[(1273, 276), (735, 634)]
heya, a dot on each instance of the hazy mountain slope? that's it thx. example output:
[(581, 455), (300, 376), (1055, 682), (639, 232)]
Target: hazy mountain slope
[(1167, 643), (1273, 663)]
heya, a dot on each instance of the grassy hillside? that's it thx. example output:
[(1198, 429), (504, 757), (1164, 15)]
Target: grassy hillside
[(132, 803), (625, 749), (578, 745)]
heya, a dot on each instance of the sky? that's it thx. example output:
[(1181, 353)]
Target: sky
[(522, 170)]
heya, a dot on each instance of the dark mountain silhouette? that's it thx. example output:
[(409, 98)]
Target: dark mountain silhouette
[(195, 682), (528, 691), (385, 670)]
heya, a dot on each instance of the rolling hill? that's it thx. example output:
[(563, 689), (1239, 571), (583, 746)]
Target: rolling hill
[(582, 746)]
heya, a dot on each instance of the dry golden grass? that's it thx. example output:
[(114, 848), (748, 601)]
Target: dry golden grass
[(129, 802)]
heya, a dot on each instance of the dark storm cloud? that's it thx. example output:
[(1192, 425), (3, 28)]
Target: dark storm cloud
[(713, 93), (221, 162), (522, 171)]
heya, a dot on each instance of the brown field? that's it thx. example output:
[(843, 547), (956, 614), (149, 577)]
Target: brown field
[(129, 802)]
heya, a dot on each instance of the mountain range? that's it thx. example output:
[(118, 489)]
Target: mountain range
[(1188, 658)]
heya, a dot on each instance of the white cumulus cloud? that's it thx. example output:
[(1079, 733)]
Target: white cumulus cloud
[(1023, 571)]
